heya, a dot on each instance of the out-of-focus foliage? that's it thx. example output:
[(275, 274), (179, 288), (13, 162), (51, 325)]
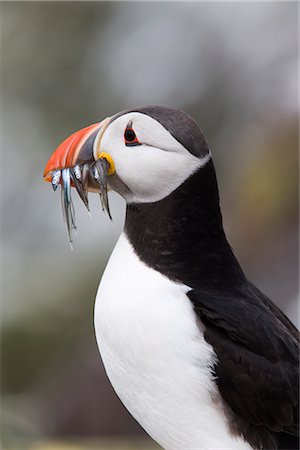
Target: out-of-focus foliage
[(64, 65)]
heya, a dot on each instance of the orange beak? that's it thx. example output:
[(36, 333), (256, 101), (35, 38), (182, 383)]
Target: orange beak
[(76, 149), (78, 162)]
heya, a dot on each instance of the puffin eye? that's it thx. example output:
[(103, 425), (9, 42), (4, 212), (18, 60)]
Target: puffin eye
[(130, 137)]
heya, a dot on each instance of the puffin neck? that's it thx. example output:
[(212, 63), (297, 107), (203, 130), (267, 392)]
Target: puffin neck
[(182, 235)]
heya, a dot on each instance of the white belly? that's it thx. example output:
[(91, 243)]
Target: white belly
[(156, 357)]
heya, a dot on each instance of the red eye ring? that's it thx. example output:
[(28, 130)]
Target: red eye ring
[(130, 137)]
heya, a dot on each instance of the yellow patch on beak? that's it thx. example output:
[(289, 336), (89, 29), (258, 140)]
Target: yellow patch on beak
[(110, 161)]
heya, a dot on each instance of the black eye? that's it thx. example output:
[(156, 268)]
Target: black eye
[(130, 137)]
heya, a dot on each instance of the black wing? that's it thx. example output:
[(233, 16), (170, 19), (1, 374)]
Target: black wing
[(258, 360)]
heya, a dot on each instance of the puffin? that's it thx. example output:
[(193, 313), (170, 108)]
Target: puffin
[(199, 356)]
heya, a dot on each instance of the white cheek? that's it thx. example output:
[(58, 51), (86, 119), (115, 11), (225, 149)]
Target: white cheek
[(152, 171), (151, 174)]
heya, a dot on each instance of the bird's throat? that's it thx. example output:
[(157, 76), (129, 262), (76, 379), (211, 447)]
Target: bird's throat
[(182, 235)]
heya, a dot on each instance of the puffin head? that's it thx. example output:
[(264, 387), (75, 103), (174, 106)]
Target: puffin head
[(143, 154)]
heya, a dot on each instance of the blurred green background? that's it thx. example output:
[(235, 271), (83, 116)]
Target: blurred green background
[(64, 65)]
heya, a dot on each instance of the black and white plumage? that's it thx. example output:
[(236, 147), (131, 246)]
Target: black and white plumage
[(198, 355)]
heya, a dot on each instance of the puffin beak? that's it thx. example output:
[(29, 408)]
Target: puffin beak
[(78, 162)]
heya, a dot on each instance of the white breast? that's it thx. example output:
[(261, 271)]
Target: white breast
[(156, 357)]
